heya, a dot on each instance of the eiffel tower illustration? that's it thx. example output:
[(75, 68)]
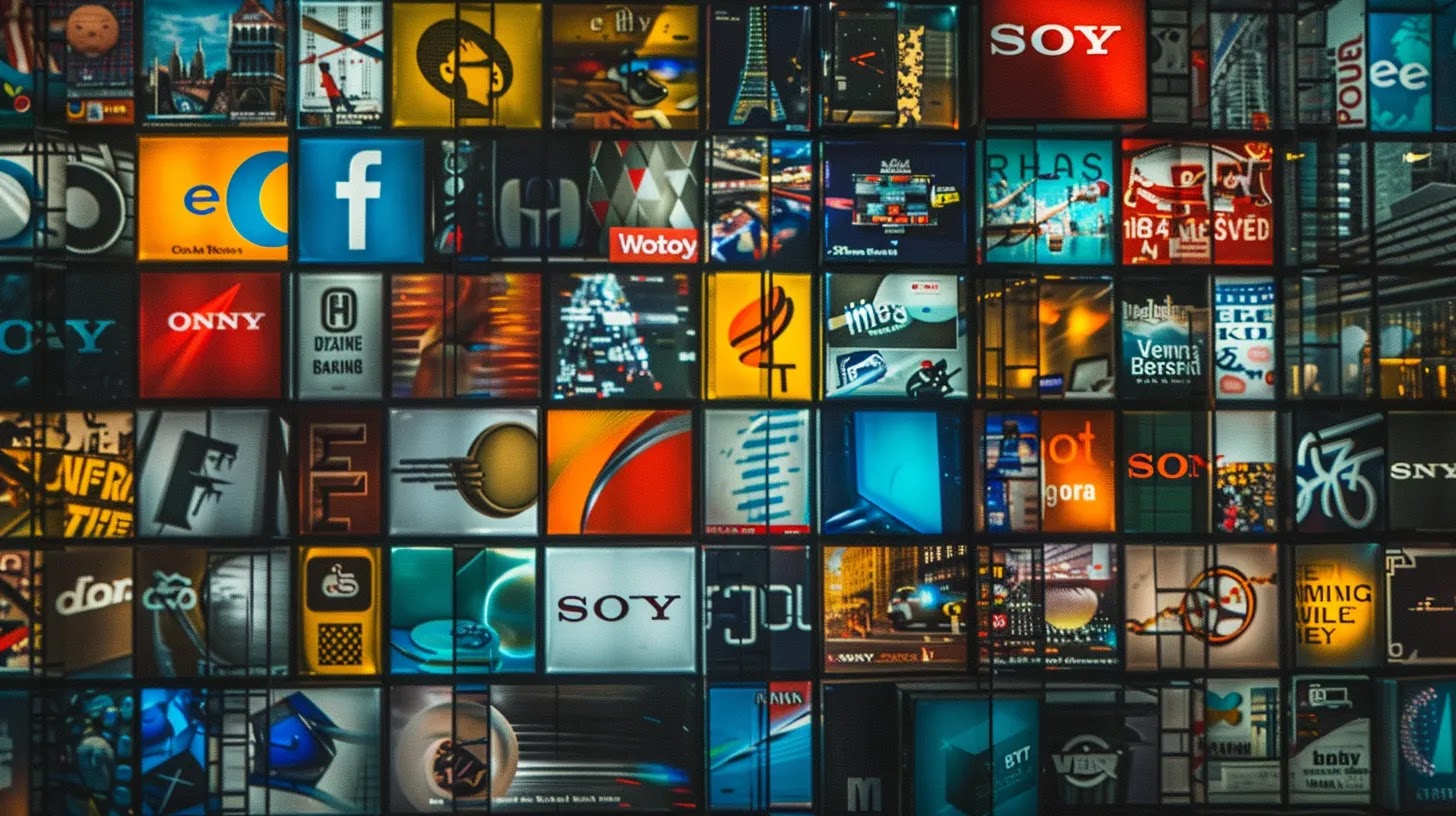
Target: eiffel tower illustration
[(754, 88)]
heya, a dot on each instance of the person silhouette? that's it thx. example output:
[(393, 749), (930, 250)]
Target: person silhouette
[(331, 89), (480, 76), (464, 64)]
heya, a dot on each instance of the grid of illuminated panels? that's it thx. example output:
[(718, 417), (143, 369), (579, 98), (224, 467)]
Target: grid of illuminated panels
[(406, 401)]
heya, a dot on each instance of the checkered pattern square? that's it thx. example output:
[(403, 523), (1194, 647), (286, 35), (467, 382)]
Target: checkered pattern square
[(340, 644)]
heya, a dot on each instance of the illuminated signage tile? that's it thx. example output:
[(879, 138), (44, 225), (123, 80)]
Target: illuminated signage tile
[(1064, 59)]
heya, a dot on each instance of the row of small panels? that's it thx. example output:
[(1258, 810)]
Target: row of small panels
[(352, 64), (748, 200), (97, 338), (781, 747), (158, 612), (238, 473)]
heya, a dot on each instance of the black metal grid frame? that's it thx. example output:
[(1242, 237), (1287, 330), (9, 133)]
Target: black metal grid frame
[(1288, 136)]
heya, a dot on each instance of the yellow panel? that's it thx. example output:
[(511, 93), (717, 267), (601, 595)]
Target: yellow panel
[(339, 626), (759, 336), (482, 68)]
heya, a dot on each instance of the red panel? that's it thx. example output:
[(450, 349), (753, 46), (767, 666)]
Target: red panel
[(1062, 59)]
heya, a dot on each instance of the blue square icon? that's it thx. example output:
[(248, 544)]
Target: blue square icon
[(361, 201)]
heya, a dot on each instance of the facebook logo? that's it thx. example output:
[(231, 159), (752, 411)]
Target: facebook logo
[(357, 190), (361, 201)]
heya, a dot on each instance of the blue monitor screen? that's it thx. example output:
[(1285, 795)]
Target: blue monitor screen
[(897, 465)]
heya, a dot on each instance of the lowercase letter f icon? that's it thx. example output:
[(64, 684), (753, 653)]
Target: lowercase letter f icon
[(357, 190)]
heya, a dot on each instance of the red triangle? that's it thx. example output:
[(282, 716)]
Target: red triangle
[(600, 208), (636, 177)]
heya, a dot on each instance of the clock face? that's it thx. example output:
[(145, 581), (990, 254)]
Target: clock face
[(865, 57), (869, 61)]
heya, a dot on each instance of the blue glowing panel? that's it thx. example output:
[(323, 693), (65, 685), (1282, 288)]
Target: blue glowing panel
[(759, 746)]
